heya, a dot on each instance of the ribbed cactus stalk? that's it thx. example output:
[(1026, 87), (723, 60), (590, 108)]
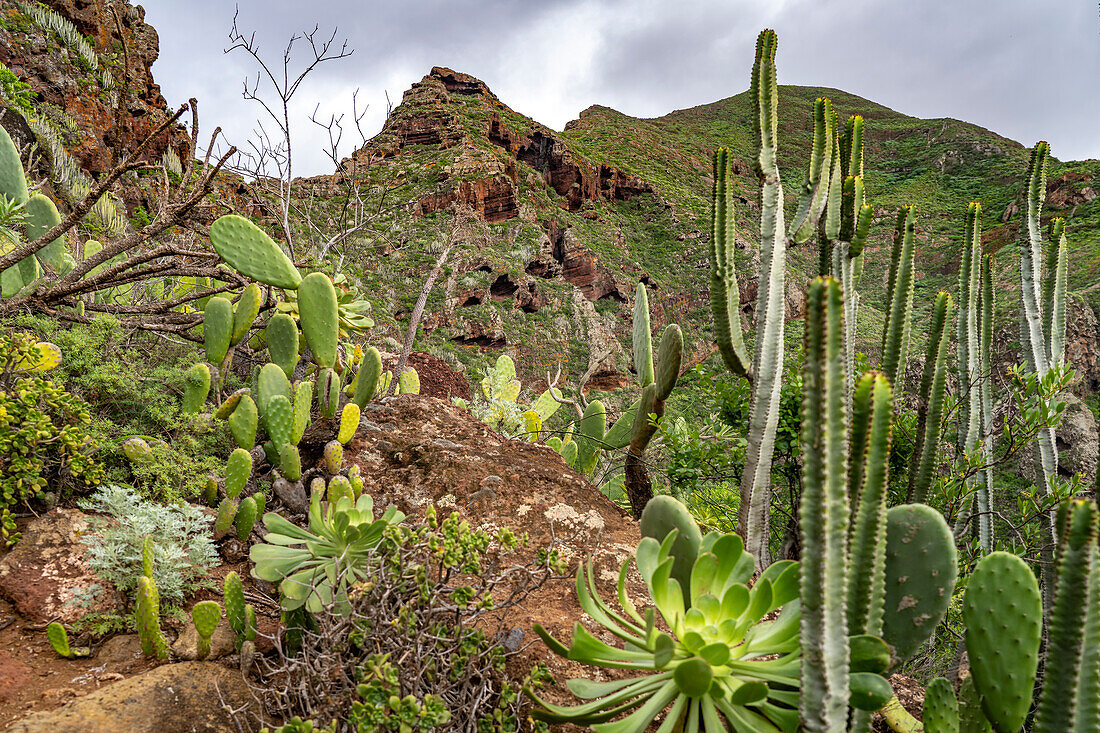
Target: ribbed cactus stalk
[(281, 336), (664, 514), (249, 251), (196, 388), (922, 465), (823, 703), (205, 615), (968, 343), (725, 296), (245, 312), (349, 422), (233, 597), (243, 423), (319, 313), (899, 295), (147, 616), (367, 379), (217, 325), (1042, 321)]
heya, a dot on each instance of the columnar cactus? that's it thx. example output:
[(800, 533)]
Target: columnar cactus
[(205, 615), (930, 401), (147, 616), (899, 294)]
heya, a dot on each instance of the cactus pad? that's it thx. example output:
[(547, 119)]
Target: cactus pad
[(233, 596), (356, 480), (349, 423), (271, 381), (409, 383), (338, 488), (196, 388), (290, 462), (59, 640), (1003, 612), (249, 251), (13, 182), (205, 615), (42, 216), (921, 568), (941, 710), (238, 470), (147, 615), (318, 311), (279, 420), (670, 354), (281, 335), (137, 450), (248, 307), (227, 512), (662, 515), (367, 380), (334, 457), (303, 401), (246, 518), (242, 423), (210, 492), (230, 403), (217, 328)]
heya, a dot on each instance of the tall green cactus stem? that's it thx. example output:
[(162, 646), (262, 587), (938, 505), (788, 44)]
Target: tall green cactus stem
[(983, 499), (367, 381), (147, 615), (233, 597), (922, 465), (725, 296), (1003, 631), (1035, 329), (1054, 292), (243, 423), (13, 182), (767, 365), (1087, 717), (349, 423), (249, 251), (303, 402), (1058, 700), (42, 216), (319, 313), (238, 470), (815, 187), (245, 518), (921, 569), (217, 325), (941, 710), (899, 298), (205, 615), (872, 417), (281, 334), (641, 338), (248, 307), (967, 335), (664, 514), (823, 703), (147, 549), (196, 388)]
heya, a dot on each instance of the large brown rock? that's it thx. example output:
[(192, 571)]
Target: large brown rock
[(190, 697), (47, 576)]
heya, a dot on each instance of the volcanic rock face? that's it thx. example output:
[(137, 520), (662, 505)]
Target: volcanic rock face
[(109, 122)]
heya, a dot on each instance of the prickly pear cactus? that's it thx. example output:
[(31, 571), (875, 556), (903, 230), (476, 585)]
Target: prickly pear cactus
[(317, 487), (249, 623), (249, 251), (147, 554), (238, 470), (217, 329), (356, 480), (1003, 612), (246, 518), (303, 401), (409, 383), (366, 382), (662, 515), (338, 488), (261, 503), (233, 596), (196, 388), (230, 403), (137, 450), (59, 640), (42, 216), (248, 307), (210, 492), (271, 382), (334, 457), (941, 710), (279, 420), (290, 462), (205, 615), (13, 182), (349, 423), (318, 311), (281, 335), (243, 422), (227, 512), (147, 615), (921, 568)]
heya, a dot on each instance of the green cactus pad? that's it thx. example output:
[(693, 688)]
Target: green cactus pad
[(42, 216), (233, 597), (349, 423), (367, 380), (662, 515), (137, 450), (670, 354), (217, 325), (618, 435), (317, 487), (147, 553), (281, 335), (59, 640), (1003, 612), (319, 313), (339, 487), (334, 457), (249, 623), (261, 503), (279, 420), (409, 383), (272, 381), (196, 388), (868, 691), (328, 392), (303, 402), (971, 717), (569, 452), (246, 518), (243, 422), (205, 615), (147, 616), (590, 434), (941, 710), (238, 470), (248, 307), (249, 251), (642, 338), (210, 492), (13, 182), (921, 568), (230, 403), (227, 512), (290, 462), (356, 480)]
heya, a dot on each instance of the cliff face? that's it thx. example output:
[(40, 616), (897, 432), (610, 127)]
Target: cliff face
[(109, 118)]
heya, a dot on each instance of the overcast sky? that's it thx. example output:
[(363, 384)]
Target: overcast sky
[(1026, 69)]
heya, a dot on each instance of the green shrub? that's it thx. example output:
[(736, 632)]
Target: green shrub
[(44, 437), (183, 545)]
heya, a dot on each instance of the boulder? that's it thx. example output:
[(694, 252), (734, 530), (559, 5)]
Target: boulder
[(47, 576), (190, 697), (1077, 440), (222, 644)]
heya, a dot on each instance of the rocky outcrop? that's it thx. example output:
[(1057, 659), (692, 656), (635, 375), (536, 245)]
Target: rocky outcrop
[(1083, 345), (1077, 441), (1069, 189), (190, 697)]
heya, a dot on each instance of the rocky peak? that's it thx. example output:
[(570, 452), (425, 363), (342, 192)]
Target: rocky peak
[(456, 82)]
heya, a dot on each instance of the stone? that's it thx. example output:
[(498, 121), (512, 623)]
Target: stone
[(189, 697), (119, 651), (1077, 440), (47, 577), (222, 643)]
